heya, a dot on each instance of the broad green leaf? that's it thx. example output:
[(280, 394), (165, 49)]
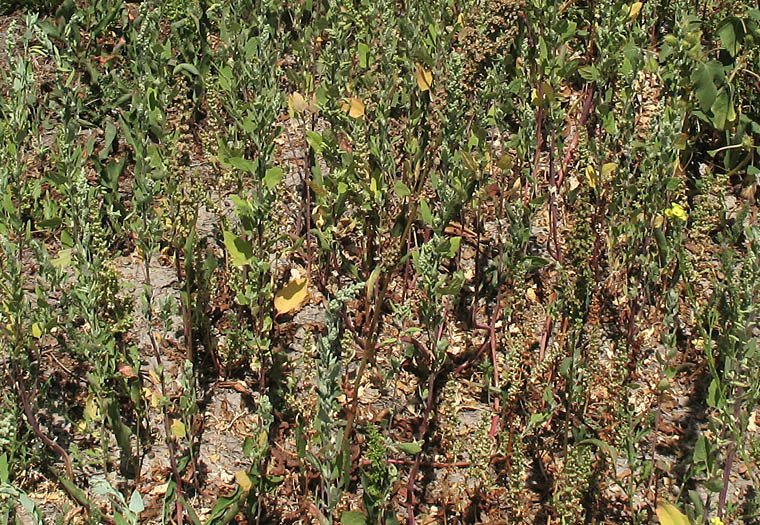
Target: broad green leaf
[(713, 394), (722, 110), (425, 212), (4, 476), (110, 134), (225, 78), (63, 260), (291, 296), (700, 451), (186, 68), (240, 250), (315, 141), (703, 79), (729, 39), (363, 54), (222, 505), (36, 330), (136, 504), (178, 429), (273, 177), (670, 515), (415, 447), (353, 517), (242, 164), (401, 189)]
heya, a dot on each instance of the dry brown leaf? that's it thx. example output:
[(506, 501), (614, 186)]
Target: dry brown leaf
[(297, 102)]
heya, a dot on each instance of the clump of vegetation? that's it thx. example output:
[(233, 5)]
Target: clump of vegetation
[(379, 262)]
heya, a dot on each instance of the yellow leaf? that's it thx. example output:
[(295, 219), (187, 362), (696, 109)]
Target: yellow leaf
[(178, 429), (291, 296), (36, 331), (91, 409), (297, 102), (354, 107), (460, 19), (535, 99), (608, 169), (424, 78), (243, 480), (591, 176), (670, 515), (635, 9)]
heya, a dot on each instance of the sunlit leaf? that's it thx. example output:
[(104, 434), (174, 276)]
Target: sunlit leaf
[(273, 177), (291, 296), (608, 169), (401, 189), (178, 429), (415, 447), (243, 480), (354, 107), (353, 517), (424, 78), (136, 504), (36, 330), (635, 10), (670, 515), (363, 54), (240, 250), (591, 176), (63, 260), (297, 102)]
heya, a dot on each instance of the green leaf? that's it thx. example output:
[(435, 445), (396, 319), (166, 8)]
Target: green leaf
[(273, 177), (712, 394), (401, 189), (4, 476), (722, 110), (240, 250), (353, 517), (363, 54), (704, 78), (415, 447), (730, 34), (136, 504), (700, 451), (178, 429), (315, 141), (222, 505), (63, 260), (425, 212), (186, 68), (242, 164), (589, 73), (109, 136)]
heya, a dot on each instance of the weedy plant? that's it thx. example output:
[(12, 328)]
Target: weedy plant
[(550, 206)]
